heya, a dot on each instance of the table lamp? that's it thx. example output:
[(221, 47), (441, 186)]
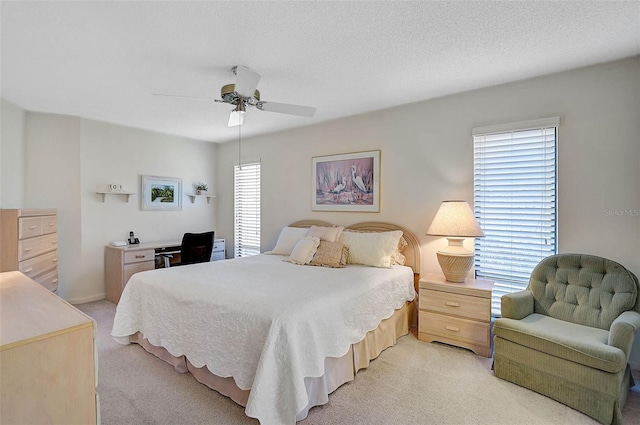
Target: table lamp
[(455, 221)]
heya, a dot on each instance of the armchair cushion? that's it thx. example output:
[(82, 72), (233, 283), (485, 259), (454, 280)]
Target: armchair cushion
[(580, 344)]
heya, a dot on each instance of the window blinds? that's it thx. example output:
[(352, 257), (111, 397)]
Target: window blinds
[(514, 202), (247, 209)]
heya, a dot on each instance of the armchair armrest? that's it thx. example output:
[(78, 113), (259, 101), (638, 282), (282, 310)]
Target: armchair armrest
[(517, 305), (623, 331)]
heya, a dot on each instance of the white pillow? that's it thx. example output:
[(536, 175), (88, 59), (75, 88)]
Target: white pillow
[(371, 248), (329, 234), (304, 250), (289, 237)]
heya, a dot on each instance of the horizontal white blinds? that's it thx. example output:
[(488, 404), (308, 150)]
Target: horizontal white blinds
[(247, 209), (515, 204)]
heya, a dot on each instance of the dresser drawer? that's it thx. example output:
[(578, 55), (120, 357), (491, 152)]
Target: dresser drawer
[(49, 224), (28, 227), (459, 305), (40, 264), (33, 247), (139, 256), (49, 280), (454, 328)]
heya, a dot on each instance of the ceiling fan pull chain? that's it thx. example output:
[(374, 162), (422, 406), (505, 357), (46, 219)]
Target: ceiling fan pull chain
[(239, 145)]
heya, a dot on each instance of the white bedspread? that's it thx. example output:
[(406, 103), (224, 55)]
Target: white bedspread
[(266, 322)]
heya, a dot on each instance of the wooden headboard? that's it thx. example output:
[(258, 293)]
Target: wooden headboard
[(411, 252)]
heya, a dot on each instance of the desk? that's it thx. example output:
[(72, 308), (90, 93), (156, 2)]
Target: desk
[(121, 262)]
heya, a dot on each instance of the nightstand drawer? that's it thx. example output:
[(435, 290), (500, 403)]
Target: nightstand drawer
[(458, 305), (139, 256), (455, 328)]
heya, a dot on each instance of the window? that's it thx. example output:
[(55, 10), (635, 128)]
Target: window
[(514, 202), (246, 229)]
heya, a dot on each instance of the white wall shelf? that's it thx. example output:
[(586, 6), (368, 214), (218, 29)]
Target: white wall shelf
[(126, 194), (193, 197)]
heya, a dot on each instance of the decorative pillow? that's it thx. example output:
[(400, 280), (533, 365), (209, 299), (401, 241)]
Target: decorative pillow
[(289, 237), (329, 234), (371, 249), (304, 250), (398, 257), (330, 254)]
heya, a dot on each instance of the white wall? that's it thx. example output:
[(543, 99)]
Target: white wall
[(52, 180), (115, 154), (66, 159), (12, 162), (427, 157)]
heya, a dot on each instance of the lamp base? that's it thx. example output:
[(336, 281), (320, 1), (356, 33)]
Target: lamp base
[(455, 267)]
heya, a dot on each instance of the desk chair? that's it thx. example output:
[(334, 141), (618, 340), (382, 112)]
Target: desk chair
[(195, 248)]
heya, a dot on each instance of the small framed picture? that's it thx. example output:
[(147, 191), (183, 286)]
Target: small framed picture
[(161, 193), (346, 182)]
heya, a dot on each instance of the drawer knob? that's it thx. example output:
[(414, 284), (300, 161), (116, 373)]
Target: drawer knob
[(55, 280), (51, 224), (27, 249), (452, 328), (140, 256), (29, 270), (54, 242), (32, 227), (452, 304), (55, 260)]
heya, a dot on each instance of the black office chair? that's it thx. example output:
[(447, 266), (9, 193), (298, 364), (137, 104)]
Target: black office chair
[(196, 248)]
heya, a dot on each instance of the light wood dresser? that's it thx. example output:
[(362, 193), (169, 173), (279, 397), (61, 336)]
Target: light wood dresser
[(456, 313), (47, 357), (30, 244)]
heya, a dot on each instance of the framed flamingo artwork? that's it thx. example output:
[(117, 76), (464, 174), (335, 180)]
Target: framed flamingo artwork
[(346, 182)]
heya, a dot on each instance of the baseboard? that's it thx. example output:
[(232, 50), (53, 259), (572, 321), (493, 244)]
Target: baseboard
[(92, 298)]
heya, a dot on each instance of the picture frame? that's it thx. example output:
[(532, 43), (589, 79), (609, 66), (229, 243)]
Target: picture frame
[(160, 193), (346, 182)]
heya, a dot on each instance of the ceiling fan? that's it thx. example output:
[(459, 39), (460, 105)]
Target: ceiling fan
[(243, 94)]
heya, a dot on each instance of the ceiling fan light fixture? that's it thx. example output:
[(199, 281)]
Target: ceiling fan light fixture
[(237, 116)]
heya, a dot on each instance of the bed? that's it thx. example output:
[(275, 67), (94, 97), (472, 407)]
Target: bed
[(274, 336)]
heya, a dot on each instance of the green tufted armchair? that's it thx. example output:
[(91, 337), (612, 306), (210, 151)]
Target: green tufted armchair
[(568, 336)]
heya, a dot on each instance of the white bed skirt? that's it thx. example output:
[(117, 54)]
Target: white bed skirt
[(338, 370)]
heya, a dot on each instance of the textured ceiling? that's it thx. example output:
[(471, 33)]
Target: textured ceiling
[(104, 60)]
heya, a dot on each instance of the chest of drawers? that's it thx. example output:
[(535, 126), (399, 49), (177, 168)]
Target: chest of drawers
[(47, 357), (456, 313), (30, 244)]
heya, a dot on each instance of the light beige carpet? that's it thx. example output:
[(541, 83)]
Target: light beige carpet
[(411, 383)]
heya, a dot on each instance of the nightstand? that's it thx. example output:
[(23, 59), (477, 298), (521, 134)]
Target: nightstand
[(456, 313)]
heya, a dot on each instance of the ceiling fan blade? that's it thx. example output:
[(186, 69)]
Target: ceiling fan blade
[(184, 97), (246, 81), (284, 108)]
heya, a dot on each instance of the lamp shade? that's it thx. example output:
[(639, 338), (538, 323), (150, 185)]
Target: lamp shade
[(455, 218)]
